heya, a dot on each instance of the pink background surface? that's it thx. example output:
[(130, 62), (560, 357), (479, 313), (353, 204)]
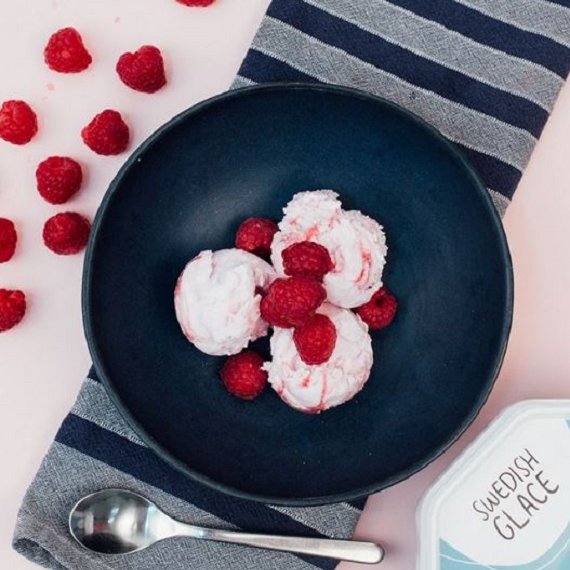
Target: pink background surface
[(43, 361)]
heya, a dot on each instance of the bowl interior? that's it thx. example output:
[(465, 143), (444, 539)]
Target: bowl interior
[(246, 154)]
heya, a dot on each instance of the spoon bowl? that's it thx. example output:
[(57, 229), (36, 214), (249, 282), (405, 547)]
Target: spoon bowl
[(114, 521)]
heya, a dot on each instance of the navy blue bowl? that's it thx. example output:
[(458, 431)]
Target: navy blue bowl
[(246, 153)]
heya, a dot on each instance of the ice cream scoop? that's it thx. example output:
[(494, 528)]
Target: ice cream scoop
[(217, 300), (313, 389), (356, 244)]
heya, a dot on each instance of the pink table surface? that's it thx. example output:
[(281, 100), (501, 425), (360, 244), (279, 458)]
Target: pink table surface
[(43, 361)]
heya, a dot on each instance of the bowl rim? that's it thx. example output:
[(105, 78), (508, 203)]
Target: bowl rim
[(180, 466)]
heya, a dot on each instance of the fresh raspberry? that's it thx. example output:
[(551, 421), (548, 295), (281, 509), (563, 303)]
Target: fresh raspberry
[(18, 122), (255, 235), (12, 308), (196, 3), (380, 311), (8, 239), (315, 340), (142, 70), (107, 133), (67, 233), (58, 179), (307, 258), (66, 53), (243, 375), (292, 302)]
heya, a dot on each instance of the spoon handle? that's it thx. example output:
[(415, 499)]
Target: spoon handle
[(348, 550)]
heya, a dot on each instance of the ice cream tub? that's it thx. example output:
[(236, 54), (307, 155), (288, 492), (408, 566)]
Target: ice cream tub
[(505, 502)]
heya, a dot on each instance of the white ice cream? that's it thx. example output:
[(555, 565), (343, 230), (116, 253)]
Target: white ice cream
[(356, 243), (313, 389), (217, 300)]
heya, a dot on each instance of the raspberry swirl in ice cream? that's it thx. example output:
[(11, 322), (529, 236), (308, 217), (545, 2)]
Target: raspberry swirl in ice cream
[(356, 243), (217, 300), (313, 389)]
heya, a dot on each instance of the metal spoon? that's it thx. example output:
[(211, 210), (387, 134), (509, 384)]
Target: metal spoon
[(116, 521)]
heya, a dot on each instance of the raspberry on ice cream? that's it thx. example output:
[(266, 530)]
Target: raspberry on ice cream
[(312, 389), (292, 302), (307, 258), (355, 242), (315, 340), (217, 300)]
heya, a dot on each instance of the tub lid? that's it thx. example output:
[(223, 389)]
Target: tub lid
[(504, 504)]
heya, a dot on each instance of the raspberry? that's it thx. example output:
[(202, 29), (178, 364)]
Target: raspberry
[(307, 258), (292, 302), (67, 233), (8, 239), (243, 375), (66, 53), (255, 235), (18, 122), (315, 340), (107, 133), (195, 3), (12, 308), (58, 179), (380, 311), (142, 70)]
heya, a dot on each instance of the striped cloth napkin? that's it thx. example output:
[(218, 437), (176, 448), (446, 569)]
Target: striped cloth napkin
[(486, 73)]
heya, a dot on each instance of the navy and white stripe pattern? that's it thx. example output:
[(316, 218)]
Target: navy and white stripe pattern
[(95, 448), (486, 73)]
